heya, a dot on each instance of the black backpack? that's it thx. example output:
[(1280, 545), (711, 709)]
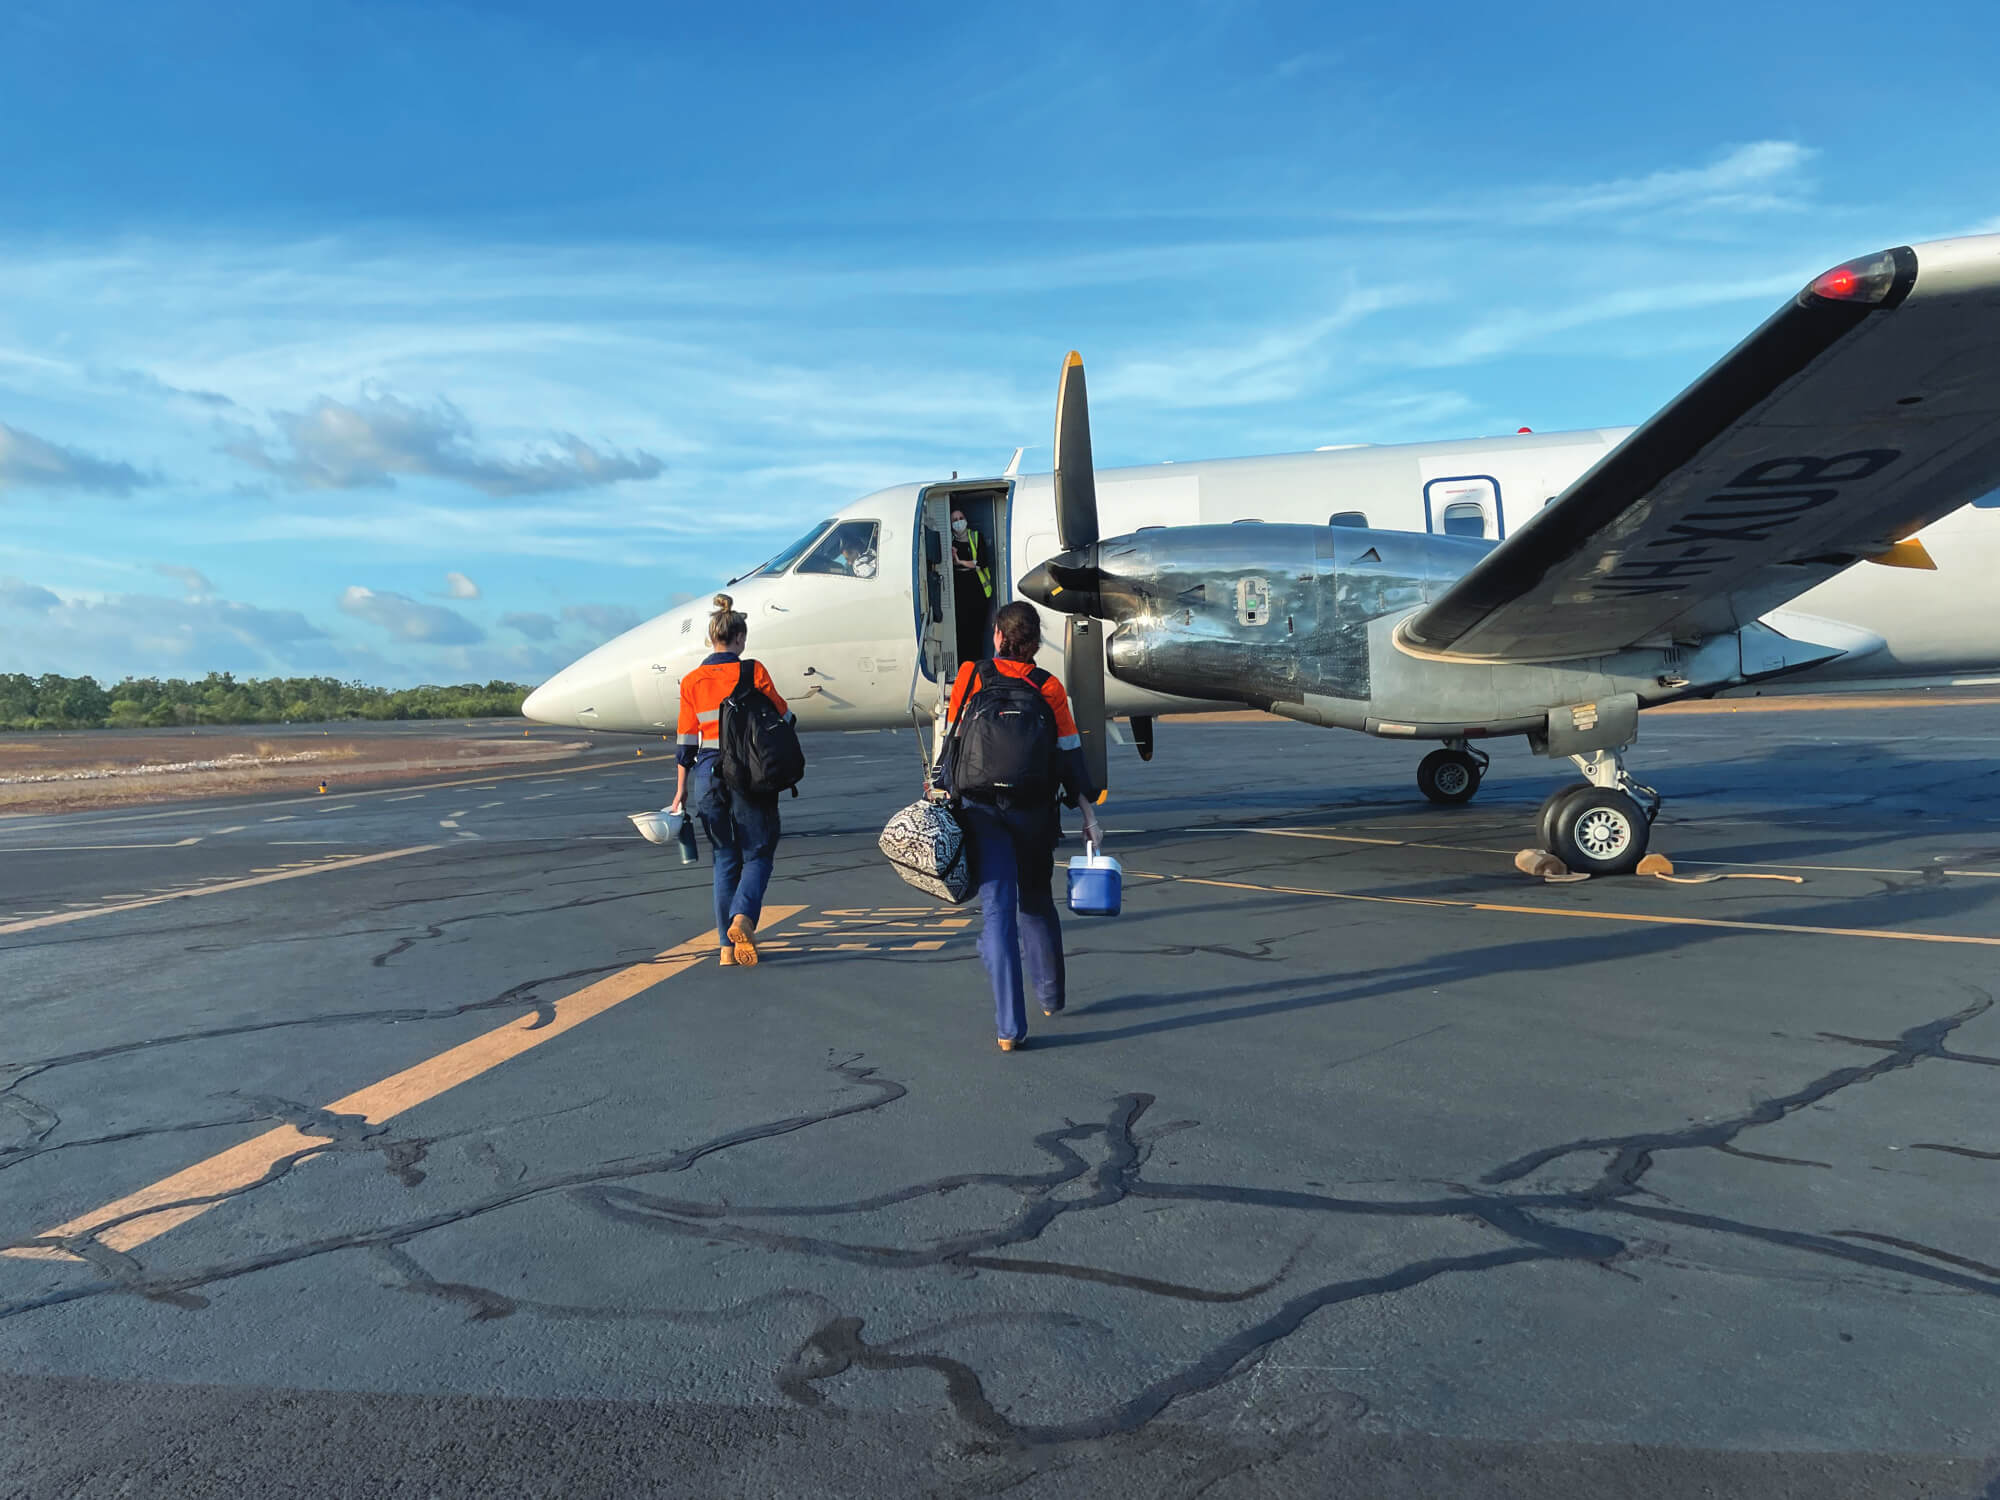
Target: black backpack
[(761, 754), (1006, 739)]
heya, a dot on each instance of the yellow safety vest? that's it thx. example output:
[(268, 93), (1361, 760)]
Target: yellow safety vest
[(979, 569)]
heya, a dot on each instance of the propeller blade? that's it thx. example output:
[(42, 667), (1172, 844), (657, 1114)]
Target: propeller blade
[(1075, 479), (1083, 675)]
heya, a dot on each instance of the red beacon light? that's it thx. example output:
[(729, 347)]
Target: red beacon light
[(1519, 430), (1870, 281)]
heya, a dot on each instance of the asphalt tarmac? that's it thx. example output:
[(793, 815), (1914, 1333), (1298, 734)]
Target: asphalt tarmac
[(411, 1142)]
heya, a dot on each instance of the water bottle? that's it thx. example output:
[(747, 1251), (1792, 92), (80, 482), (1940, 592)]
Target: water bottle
[(683, 831)]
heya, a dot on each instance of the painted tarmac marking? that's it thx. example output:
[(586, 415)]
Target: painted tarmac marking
[(156, 813), (83, 848), (233, 828), (131, 1221), (1647, 918), (407, 797), (484, 805), (282, 818), (261, 876), (871, 929)]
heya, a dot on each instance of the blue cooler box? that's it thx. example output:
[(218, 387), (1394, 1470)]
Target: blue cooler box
[(1096, 883)]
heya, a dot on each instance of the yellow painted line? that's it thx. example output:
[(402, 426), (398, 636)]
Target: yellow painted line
[(152, 1211), (262, 877), (1650, 918), (1788, 703)]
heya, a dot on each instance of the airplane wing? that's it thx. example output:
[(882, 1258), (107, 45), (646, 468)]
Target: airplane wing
[(1865, 408)]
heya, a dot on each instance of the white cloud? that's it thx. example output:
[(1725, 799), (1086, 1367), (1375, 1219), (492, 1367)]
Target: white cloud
[(1269, 365), (1303, 63), (30, 462), (367, 443), (536, 627), (458, 586), (146, 383), (29, 598), (1761, 177), (191, 579), (1745, 177), (606, 620), (408, 620), (148, 634)]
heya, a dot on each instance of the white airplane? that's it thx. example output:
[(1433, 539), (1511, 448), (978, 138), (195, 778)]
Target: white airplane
[(1543, 585)]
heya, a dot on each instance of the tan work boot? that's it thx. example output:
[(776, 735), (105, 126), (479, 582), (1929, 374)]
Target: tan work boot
[(728, 958), (739, 935)]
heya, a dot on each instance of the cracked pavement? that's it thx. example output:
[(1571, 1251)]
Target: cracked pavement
[(1358, 1164)]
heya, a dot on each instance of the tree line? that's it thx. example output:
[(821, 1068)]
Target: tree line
[(51, 701)]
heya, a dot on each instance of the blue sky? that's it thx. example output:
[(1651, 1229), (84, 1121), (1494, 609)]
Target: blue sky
[(427, 342)]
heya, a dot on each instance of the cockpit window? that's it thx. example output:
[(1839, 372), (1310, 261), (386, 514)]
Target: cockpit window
[(847, 552), (790, 555)]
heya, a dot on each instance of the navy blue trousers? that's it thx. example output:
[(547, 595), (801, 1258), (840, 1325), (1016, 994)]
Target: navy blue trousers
[(1015, 848), (743, 833)]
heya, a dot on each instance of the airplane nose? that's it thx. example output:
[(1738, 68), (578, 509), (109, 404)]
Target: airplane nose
[(593, 698), (540, 705)]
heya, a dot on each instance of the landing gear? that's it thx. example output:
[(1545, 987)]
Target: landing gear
[(1600, 826), (1451, 774)]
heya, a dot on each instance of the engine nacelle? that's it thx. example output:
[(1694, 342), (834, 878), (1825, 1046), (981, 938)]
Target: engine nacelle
[(1300, 620)]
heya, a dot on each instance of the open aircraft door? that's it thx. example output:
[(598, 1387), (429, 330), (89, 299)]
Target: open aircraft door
[(937, 614)]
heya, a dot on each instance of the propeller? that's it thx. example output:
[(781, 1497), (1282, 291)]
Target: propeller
[(1076, 525)]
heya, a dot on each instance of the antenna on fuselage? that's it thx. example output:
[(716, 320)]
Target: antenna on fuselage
[(1013, 468)]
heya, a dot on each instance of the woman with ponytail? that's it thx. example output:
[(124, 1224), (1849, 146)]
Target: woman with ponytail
[(742, 827)]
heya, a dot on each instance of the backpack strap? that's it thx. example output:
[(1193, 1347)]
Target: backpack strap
[(746, 678), (1038, 677)]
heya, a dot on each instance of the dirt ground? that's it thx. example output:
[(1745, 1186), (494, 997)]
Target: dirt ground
[(72, 772)]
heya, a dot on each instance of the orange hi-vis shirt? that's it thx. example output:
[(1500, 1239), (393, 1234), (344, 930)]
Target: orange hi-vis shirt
[(1052, 693), (702, 692)]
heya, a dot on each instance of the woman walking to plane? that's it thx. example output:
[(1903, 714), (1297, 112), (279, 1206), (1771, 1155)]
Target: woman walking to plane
[(742, 826), (1014, 753)]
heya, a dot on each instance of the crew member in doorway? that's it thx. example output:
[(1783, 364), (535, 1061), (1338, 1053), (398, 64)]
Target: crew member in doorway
[(968, 557), (1014, 754), (742, 827)]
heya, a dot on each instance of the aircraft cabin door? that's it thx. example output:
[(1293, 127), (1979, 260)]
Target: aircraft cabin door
[(937, 617)]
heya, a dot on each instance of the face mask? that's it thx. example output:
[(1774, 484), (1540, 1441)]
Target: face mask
[(958, 527)]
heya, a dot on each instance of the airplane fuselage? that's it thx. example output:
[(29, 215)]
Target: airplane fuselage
[(846, 651)]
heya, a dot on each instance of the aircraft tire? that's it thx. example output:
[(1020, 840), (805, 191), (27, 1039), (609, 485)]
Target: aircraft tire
[(1601, 831), (1545, 827), (1448, 776)]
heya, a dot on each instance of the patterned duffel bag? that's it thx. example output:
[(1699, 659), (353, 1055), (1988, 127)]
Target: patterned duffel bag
[(930, 850)]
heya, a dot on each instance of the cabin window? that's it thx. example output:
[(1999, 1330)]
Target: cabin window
[(1465, 518), (790, 555), (1349, 518), (847, 552)]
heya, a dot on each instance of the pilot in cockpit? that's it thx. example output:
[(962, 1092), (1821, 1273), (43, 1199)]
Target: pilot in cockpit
[(850, 551)]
